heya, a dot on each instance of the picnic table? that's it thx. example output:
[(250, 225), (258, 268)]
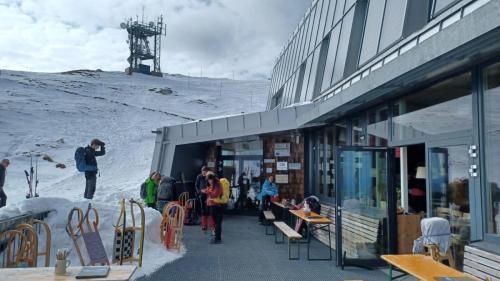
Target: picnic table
[(116, 273), (422, 267), (314, 223)]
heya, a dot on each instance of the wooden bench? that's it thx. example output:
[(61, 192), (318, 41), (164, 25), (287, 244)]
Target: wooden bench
[(268, 219), (360, 235), (481, 264), (292, 236)]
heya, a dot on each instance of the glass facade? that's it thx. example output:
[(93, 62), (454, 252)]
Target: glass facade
[(450, 102), (492, 147)]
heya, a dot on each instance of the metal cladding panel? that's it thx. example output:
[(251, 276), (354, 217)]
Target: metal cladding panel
[(219, 125), (252, 121), (269, 119), (235, 123), (189, 130), (287, 115), (204, 128)]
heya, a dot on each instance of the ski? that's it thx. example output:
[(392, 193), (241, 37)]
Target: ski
[(29, 178), (36, 176)]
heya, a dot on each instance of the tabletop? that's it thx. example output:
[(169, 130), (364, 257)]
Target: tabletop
[(312, 218), (423, 267), (116, 273), (279, 204)]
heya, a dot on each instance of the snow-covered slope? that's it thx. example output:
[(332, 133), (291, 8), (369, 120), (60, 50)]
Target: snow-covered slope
[(53, 114)]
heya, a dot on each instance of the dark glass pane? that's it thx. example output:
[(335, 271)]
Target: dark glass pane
[(392, 27), (378, 127), (439, 5), (306, 78), (341, 133), (450, 102), (449, 187), (345, 34), (330, 59), (492, 149), (358, 135), (330, 163), (372, 30), (321, 162), (312, 78)]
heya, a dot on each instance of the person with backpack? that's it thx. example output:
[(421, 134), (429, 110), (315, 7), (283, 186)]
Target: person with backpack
[(201, 184), (86, 162), (166, 192), (151, 189), (214, 191), (268, 190), (3, 168)]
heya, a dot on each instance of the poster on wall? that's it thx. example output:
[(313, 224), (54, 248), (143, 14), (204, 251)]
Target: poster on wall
[(269, 170), (281, 178), (294, 166), (282, 149), (282, 166), (267, 161)]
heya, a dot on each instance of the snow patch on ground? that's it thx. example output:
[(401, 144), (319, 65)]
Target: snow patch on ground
[(155, 254)]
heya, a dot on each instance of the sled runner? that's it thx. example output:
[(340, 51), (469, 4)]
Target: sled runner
[(124, 242), (89, 232)]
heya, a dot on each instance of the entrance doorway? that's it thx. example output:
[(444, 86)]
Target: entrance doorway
[(412, 174)]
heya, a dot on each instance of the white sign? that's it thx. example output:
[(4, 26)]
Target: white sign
[(281, 149), (269, 170), (282, 166), (281, 178), (294, 166)]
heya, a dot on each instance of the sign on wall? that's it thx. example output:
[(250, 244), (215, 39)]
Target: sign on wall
[(267, 161), (282, 149), (282, 166), (281, 178), (294, 166), (269, 170)]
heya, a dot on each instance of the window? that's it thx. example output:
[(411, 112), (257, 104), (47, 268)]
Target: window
[(377, 127), (321, 161), (345, 34), (372, 30), (492, 147), (276, 101), (330, 163), (321, 66), (330, 59), (440, 5), (450, 102), (300, 82), (306, 78), (312, 77), (392, 27), (358, 132)]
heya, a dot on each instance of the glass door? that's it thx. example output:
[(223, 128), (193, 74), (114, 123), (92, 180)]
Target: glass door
[(365, 219), (452, 177)]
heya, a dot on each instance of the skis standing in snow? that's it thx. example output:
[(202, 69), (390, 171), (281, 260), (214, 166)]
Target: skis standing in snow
[(3, 167), (32, 176)]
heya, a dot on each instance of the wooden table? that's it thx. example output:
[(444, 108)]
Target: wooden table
[(116, 273), (315, 222), (422, 267)]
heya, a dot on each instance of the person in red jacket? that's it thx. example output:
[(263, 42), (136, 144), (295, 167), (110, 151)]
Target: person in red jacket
[(214, 191)]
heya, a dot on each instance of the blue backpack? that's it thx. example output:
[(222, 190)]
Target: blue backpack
[(81, 164)]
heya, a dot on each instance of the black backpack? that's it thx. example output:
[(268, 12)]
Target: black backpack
[(166, 189), (144, 190)]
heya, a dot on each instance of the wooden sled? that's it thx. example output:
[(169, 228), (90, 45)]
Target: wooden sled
[(89, 232), (16, 248), (183, 199), (124, 242), (172, 225)]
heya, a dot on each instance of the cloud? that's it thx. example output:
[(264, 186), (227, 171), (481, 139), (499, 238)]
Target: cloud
[(217, 36)]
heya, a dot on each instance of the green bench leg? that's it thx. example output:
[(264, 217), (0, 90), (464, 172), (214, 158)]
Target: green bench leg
[(290, 251), (268, 224), (276, 237)]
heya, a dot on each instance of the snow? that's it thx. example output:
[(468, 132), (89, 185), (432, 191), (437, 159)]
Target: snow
[(54, 113)]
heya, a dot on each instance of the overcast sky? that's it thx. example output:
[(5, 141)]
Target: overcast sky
[(218, 36)]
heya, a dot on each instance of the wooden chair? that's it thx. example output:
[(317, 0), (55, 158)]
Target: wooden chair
[(15, 249), (172, 225), (183, 199), (48, 238), (433, 251), (29, 251)]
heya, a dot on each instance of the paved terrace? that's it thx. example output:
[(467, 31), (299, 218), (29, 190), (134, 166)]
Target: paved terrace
[(248, 254)]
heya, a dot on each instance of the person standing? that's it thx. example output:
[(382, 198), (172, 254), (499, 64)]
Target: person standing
[(3, 168), (95, 149), (166, 192), (214, 192), (151, 189), (201, 184)]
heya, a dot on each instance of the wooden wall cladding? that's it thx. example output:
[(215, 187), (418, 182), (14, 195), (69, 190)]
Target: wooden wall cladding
[(295, 186)]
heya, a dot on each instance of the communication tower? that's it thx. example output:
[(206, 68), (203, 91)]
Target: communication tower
[(140, 35)]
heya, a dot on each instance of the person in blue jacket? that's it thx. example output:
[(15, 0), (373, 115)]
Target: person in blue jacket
[(268, 190)]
